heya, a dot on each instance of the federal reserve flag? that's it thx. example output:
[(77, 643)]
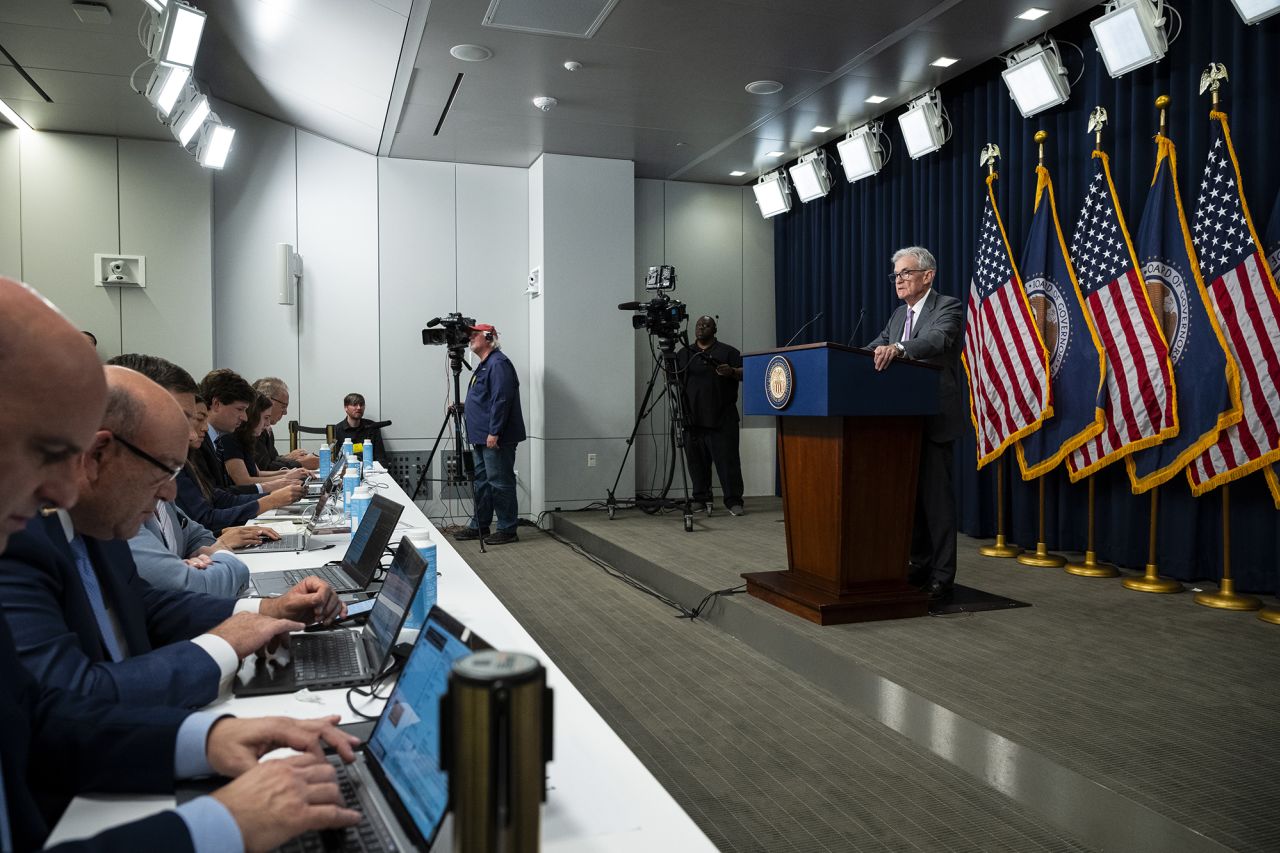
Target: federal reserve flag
[(1139, 392), (1247, 304), (1006, 361), (1272, 243), (1203, 369), (1076, 363)]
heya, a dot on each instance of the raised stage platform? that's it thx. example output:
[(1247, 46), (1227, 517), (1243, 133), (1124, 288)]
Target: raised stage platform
[(1097, 718)]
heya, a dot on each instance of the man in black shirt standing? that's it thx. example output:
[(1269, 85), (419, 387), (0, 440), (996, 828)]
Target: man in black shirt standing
[(712, 371)]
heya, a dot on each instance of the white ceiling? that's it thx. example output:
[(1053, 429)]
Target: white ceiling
[(661, 81)]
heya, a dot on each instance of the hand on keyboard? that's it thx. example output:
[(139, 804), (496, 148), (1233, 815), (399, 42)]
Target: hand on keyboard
[(248, 632), (311, 600), (276, 800)]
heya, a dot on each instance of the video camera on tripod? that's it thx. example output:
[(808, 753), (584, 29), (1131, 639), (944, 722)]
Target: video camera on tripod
[(661, 316), (454, 331)]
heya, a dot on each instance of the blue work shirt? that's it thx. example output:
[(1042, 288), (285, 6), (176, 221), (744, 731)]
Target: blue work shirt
[(493, 402)]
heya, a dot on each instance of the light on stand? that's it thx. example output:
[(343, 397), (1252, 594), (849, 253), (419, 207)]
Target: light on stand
[(860, 153), (773, 195)]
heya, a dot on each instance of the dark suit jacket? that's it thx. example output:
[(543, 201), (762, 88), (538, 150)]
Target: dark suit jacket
[(55, 744), (210, 462), (222, 509), (266, 455), (935, 339), (57, 635)]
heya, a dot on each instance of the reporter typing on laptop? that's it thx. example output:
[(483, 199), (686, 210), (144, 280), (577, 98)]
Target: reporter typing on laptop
[(54, 743)]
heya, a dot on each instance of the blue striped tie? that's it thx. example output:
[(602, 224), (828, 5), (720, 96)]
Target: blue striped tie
[(94, 591)]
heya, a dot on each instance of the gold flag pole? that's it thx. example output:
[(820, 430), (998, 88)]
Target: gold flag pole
[(1002, 548), (1091, 568), (1151, 580), (1041, 557), (1226, 598)]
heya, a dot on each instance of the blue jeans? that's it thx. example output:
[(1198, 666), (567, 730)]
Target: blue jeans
[(495, 487)]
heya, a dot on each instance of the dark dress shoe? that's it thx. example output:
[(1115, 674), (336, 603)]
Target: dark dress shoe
[(937, 590), (917, 576), (469, 533), (502, 537)]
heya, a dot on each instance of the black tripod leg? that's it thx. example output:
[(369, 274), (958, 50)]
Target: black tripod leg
[(426, 469)]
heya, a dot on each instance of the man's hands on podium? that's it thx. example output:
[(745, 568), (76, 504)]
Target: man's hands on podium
[(884, 355), (274, 801)]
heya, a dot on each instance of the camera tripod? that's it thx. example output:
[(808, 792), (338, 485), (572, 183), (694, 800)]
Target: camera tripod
[(673, 390), (466, 469)]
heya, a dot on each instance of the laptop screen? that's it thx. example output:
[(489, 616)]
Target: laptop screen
[(393, 600), (373, 534), (406, 742)]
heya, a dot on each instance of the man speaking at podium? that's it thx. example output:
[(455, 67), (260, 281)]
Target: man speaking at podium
[(926, 327)]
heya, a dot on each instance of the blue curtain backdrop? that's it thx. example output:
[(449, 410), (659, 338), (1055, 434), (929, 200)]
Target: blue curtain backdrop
[(832, 255)]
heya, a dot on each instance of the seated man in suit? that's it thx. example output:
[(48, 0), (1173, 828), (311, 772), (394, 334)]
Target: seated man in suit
[(81, 616), (926, 327), (357, 427), (55, 744), (268, 458), (229, 397)]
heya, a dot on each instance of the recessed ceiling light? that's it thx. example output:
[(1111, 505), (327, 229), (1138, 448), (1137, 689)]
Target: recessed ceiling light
[(764, 87), (820, 128), (13, 117), (736, 174), (1032, 14), (470, 52), (776, 154), (944, 61), (877, 99)]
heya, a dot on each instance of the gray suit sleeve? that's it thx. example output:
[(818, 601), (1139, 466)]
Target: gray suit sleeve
[(194, 534), (941, 334), (159, 567), (883, 338)]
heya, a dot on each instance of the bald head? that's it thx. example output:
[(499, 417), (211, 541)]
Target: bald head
[(51, 402)]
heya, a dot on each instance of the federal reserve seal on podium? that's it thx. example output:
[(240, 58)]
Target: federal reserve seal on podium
[(779, 382)]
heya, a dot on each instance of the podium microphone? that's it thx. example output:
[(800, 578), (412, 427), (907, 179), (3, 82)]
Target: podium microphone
[(802, 328), (858, 325)]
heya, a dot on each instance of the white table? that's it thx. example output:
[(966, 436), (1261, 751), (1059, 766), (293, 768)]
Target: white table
[(599, 796)]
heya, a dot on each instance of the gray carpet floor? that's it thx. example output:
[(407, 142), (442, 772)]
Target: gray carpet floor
[(1171, 704), (760, 758)]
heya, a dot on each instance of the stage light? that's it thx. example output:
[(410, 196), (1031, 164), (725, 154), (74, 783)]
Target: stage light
[(860, 153), (810, 176), (175, 34), (166, 85), (189, 115), (14, 119), (773, 195), (921, 125), (1253, 11), (1130, 35), (156, 5), (214, 144), (1036, 78)]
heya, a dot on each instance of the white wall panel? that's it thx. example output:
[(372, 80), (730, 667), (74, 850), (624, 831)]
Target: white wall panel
[(10, 206), (417, 271), (535, 401), (69, 212), (338, 302), (254, 208), (165, 214)]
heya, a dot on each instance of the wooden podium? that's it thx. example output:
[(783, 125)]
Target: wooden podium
[(848, 452)]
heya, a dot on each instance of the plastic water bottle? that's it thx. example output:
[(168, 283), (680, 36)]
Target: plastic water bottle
[(426, 597), (347, 448), (350, 479), (326, 464), (368, 455), (360, 500)]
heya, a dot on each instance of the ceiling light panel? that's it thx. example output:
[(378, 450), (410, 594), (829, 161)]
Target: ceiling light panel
[(16, 120), (944, 61), (876, 99), (1032, 14)]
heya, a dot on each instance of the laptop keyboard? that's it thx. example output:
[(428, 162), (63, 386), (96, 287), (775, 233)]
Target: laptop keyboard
[(319, 657), (331, 575), (361, 837), (287, 542)]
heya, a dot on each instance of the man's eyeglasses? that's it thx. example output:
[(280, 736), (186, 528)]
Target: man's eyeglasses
[(170, 472), (282, 403), (894, 276)]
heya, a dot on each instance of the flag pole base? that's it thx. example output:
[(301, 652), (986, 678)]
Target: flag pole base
[(1152, 582), (1091, 568), (1000, 549), (1042, 558), (1228, 599), (1270, 614)]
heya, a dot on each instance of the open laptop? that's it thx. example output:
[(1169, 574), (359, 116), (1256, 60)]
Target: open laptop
[(396, 780), (354, 572), (341, 657), (299, 541), (304, 509)]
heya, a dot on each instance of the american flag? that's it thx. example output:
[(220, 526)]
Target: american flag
[(1243, 293), (1139, 394), (1004, 356), (1273, 258)]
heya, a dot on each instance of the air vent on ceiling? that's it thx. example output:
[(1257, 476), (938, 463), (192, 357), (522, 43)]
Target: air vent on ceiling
[(574, 18)]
